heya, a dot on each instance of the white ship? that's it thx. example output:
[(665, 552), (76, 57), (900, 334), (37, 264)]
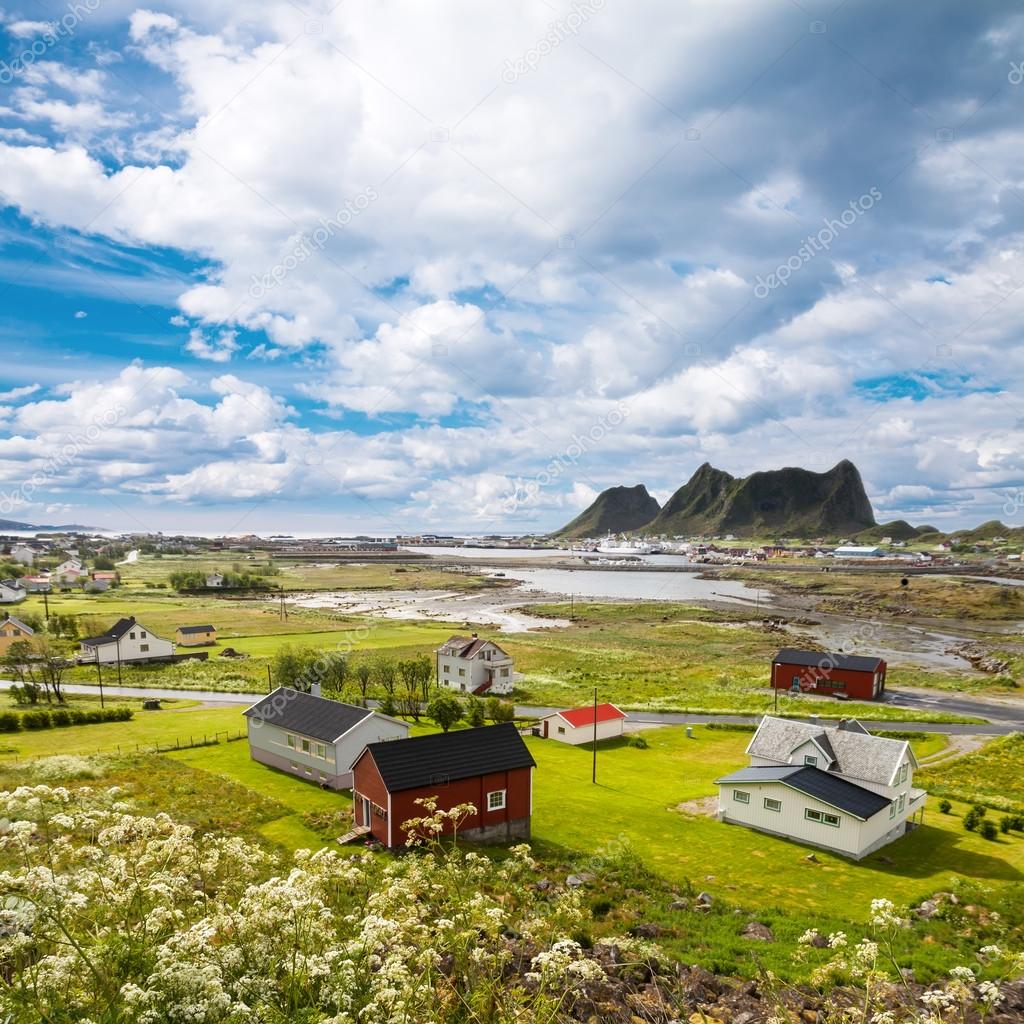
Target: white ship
[(616, 546)]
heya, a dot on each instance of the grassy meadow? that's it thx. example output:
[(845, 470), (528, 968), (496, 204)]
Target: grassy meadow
[(634, 807)]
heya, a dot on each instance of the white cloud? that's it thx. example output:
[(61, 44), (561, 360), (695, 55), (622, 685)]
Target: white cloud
[(217, 350)]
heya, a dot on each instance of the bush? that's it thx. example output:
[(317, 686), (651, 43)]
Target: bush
[(36, 720), (60, 717), (972, 819), (945, 806), (989, 829), (10, 721), (979, 810), (1005, 822), (637, 740)]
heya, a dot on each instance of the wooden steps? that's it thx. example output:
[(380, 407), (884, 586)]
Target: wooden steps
[(356, 833)]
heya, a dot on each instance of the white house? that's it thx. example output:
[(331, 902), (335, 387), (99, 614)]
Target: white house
[(127, 640), (472, 665), (313, 737), (215, 579), (577, 725), (11, 592), (23, 554), (70, 565), (836, 787)]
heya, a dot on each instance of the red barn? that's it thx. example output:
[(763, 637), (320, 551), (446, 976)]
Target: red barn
[(490, 768), (846, 675)]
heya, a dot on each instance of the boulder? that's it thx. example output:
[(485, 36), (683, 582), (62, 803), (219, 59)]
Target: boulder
[(758, 932), (705, 899), (647, 930)]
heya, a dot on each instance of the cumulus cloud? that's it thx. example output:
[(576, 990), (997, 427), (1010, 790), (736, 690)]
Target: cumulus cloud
[(480, 268)]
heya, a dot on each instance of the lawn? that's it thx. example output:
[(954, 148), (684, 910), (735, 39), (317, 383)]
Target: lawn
[(993, 775), (143, 733), (638, 790)]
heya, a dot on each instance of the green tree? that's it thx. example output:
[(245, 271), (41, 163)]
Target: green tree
[(409, 674), (385, 674), (499, 710), (475, 714), (363, 672), (445, 710)]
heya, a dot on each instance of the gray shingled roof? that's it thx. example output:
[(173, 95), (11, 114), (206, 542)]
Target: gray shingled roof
[(304, 713), (466, 646), (858, 754), (827, 660), (443, 757), (830, 789), (196, 629)]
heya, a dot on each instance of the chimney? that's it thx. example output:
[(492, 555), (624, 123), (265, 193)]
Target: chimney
[(314, 689), (474, 636)]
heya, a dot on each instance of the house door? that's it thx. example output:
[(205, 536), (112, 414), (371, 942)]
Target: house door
[(366, 812), (545, 728)]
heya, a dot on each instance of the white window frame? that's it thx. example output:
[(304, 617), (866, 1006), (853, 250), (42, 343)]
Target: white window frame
[(290, 740), (822, 817), (769, 801), (321, 750), (500, 803), (305, 746), (810, 761), (741, 796)]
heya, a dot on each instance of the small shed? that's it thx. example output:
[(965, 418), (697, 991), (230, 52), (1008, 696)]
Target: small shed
[(576, 725), (196, 636)]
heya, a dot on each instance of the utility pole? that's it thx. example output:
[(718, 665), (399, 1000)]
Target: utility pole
[(46, 606), (593, 769), (775, 672), (270, 683), (117, 645), (99, 676)]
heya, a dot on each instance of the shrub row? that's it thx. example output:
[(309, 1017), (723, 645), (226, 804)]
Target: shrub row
[(57, 718)]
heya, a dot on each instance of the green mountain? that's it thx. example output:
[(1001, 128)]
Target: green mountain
[(898, 529), (779, 502), (616, 510)]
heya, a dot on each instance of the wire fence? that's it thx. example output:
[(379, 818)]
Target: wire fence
[(181, 743)]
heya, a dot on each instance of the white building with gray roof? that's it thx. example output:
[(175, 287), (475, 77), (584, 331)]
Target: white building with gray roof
[(834, 786), (315, 738)]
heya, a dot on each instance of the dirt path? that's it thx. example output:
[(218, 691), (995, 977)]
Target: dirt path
[(957, 747)]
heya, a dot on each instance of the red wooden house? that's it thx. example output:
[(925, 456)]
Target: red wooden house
[(841, 675), (490, 768)]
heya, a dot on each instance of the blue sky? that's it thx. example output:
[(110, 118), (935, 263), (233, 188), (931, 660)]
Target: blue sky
[(295, 266)]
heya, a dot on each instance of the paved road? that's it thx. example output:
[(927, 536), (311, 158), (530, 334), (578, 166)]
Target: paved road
[(1003, 718)]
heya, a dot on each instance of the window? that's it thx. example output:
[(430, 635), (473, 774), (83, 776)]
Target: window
[(504, 672), (447, 669), (892, 809), (290, 740), (904, 769), (295, 767), (810, 759), (796, 682), (131, 636), (741, 796), (323, 777), (142, 635), (305, 746), (903, 800), (321, 751), (561, 730), (496, 800), (462, 671), (143, 647), (772, 805), (309, 771), (821, 816)]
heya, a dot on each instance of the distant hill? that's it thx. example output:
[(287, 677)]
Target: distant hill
[(779, 502), (616, 510), (13, 524), (782, 502), (898, 529)]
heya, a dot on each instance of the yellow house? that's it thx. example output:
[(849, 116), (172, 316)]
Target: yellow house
[(195, 636), (11, 631)]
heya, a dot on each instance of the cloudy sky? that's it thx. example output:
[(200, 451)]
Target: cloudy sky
[(386, 265)]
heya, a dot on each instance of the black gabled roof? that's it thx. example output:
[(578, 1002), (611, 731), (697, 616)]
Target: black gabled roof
[(831, 789), (826, 660), (446, 756), (116, 631), (197, 629), (304, 713)]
